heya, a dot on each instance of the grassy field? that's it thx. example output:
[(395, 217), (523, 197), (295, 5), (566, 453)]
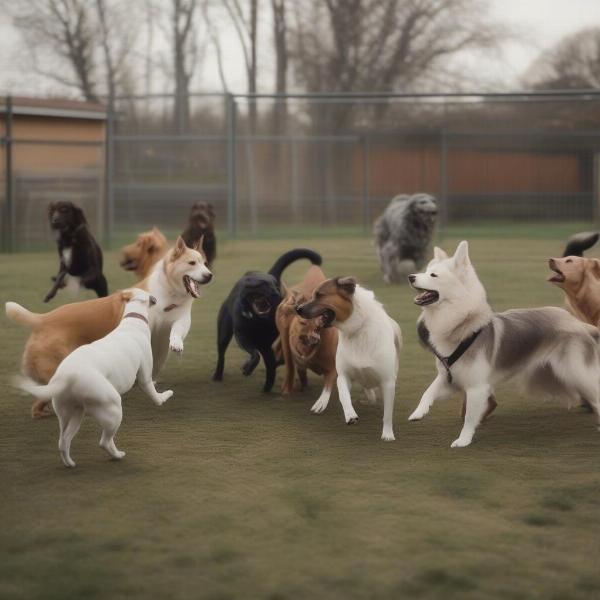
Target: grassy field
[(226, 492)]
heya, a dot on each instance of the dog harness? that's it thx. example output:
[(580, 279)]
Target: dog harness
[(135, 315), (447, 361)]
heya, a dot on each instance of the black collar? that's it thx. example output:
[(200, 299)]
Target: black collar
[(135, 315), (447, 361)]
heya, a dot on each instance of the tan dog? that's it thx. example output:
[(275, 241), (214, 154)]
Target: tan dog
[(57, 333), (304, 343), (579, 278), (140, 256)]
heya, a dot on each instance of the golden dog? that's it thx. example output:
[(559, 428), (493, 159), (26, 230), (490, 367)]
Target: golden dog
[(141, 255), (305, 345)]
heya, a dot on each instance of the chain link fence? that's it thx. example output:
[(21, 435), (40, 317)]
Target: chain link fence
[(310, 164)]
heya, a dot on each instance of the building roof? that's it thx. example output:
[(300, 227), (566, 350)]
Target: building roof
[(54, 107)]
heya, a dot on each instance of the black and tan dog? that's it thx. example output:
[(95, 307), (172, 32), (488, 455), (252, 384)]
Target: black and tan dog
[(201, 226), (248, 313), (79, 253)]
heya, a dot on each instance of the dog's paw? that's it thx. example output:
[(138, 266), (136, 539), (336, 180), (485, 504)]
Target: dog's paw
[(163, 397), (319, 406), (176, 345), (47, 298), (117, 455), (388, 436), (417, 415), (351, 418), (458, 443)]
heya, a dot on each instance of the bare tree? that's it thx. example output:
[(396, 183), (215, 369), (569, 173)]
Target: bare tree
[(573, 63), (246, 27), (383, 45), (280, 43)]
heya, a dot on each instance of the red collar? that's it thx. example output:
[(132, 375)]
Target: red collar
[(135, 315)]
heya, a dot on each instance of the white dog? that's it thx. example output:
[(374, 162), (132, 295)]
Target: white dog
[(368, 348), (93, 377), (175, 282), (546, 349)]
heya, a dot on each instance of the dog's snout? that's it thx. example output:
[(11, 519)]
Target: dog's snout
[(208, 277), (551, 262), (299, 309), (412, 278), (152, 300)]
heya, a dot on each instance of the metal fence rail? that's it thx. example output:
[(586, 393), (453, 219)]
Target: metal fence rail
[(312, 162)]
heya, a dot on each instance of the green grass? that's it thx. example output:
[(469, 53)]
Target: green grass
[(227, 493)]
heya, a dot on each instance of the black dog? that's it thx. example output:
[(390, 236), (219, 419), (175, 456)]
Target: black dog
[(202, 225), (249, 314), (80, 256)]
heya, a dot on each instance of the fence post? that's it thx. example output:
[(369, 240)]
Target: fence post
[(10, 225), (231, 165), (109, 175), (444, 178), (366, 199)]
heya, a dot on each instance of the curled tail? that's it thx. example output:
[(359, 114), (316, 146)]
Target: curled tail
[(41, 392), (578, 243), (289, 257), (21, 315)]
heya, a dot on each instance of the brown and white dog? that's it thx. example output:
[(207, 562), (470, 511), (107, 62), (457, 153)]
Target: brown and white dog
[(304, 343), (141, 255), (175, 282), (369, 343)]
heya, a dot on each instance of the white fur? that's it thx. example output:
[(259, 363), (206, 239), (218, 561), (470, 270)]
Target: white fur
[(93, 377), (462, 309), (169, 328), (367, 352)]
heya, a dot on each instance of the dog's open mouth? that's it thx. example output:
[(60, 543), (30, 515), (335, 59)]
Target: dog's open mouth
[(129, 264), (557, 277), (260, 305), (192, 286), (426, 297)]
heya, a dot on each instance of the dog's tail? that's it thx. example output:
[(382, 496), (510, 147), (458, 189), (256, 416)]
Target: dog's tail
[(289, 257), (21, 315), (578, 243), (41, 392)]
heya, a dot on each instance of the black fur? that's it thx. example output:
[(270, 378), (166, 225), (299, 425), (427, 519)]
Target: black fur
[(202, 225), (580, 242), (255, 331), (72, 230)]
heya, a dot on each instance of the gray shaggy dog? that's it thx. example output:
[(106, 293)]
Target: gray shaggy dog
[(403, 234)]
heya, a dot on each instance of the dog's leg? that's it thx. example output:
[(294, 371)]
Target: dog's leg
[(438, 390), (290, 366), (110, 418), (160, 351), (70, 422), (477, 405), (388, 390), (58, 283), (345, 399), (224, 335), (270, 366), (251, 363), (303, 378), (179, 331), (97, 283), (147, 386), (321, 404), (370, 395)]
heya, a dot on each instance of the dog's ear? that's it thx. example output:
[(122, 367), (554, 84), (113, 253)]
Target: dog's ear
[(347, 285), (126, 295), (179, 249), (51, 208), (148, 242), (211, 212), (78, 215), (594, 268), (461, 256), (199, 244), (439, 254)]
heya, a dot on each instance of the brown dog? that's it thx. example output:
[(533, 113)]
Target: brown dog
[(140, 256), (304, 343), (201, 226), (57, 333)]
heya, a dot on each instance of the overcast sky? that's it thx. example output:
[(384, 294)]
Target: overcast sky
[(539, 24)]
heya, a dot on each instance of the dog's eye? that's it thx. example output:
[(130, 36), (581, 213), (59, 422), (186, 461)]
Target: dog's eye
[(433, 275), (569, 260), (192, 262)]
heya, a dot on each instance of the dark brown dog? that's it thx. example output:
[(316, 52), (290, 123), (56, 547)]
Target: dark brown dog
[(202, 225), (304, 343), (144, 253)]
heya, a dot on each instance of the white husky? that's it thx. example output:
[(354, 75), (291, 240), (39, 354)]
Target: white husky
[(546, 349), (92, 378)]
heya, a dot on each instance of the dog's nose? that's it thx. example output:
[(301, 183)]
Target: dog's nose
[(208, 277), (412, 278), (299, 309), (551, 262)]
